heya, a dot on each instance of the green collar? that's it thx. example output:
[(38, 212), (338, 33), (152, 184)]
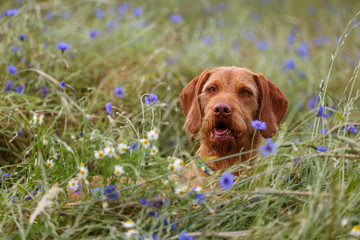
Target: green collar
[(204, 167)]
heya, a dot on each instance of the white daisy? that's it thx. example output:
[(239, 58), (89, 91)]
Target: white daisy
[(73, 184), (153, 150), (118, 170), (153, 134), (355, 231), (99, 154), (50, 163), (178, 164), (180, 191), (128, 224), (171, 167), (344, 222), (145, 142), (83, 172), (122, 148), (109, 151), (199, 189), (38, 119), (131, 232)]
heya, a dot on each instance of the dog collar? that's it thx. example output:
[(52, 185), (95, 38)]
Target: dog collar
[(204, 167)]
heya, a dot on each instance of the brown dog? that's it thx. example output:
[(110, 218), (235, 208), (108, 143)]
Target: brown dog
[(219, 106)]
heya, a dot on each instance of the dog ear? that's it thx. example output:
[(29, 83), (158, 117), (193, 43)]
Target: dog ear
[(273, 105), (189, 100)]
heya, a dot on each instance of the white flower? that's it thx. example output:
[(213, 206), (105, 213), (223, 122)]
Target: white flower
[(109, 151), (178, 164), (83, 172), (50, 163), (153, 134), (118, 170), (199, 189), (122, 148), (355, 231), (131, 232), (344, 222), (180, 191), (99, 154), (145, 142), (171, 167), (37, 119), (128, 224), (153, 150), (73, 184)]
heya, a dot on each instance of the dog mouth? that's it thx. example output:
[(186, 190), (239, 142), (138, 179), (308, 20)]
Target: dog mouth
[(223, 132)]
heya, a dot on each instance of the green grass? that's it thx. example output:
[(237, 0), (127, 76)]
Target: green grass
[(276, 199)]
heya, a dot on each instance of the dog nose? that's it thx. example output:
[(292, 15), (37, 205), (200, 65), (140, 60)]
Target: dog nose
[(222, 110)]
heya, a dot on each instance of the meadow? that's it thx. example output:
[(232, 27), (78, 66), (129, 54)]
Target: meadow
[(91, 124)]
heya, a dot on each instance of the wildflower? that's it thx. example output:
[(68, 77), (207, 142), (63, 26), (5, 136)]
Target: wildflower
[(269, 148), (63, 46), (313, 101), (303, 50), (110, 192), (118, 170), (11, 12), (110, 25), (20, 132), (180, 191), (108, 108), (291, 38), (99, 13), (289, 64), (83, 172), (259, 125), (99, 154), (123, 8), (297, 161), (351, 129), (176, 18), (22, 37), (73, 184), (261, 45), (151, 99), (38, 119), (207, 40), (323, 131), (8, 86), (20, 89), (12, 69), (321, 112), (119, 91), (321, 149), (44, 91), (29, 197), (200, 198), (131, 232), (226, 181), (302, 75), (128, 224), (183, 236), (134, 147), (93, 34), (250, 36), (137, 12), (122, 148), (178, 164), (220, 6), (145, 142), (109, 151), (153, 134), (142, 201), (15, 49), (171, 167), (3, 175), (62, 84), (344, 222), (153, 150), (50, 163), (355, 231)]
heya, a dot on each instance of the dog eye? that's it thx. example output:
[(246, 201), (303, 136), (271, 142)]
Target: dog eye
[(211, 89), (245, 92)]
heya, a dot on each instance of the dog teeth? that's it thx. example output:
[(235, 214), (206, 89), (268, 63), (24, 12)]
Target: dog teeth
[(228, 132)]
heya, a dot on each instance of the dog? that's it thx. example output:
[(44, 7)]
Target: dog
[(220, 105)]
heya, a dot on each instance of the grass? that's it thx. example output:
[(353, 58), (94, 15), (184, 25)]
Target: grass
[(296, 193)]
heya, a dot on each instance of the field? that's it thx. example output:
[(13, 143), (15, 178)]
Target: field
[(90, 119)]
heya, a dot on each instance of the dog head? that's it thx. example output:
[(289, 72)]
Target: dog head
[(223, 102)]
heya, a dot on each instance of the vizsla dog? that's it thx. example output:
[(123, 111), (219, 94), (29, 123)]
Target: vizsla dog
[(219, 106)]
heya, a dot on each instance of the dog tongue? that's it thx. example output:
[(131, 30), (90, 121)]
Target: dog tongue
[(220, 131)]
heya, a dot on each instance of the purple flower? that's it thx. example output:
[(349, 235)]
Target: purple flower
[(99, 13), (93, 34), (110, 24), (137, 12), (110, 192), (154, 213), (39, 188), (134, 147), (183, 236), (20, 132), (11, 12), (63, 46), (142, 201), (123, 8), (261, 45), (289, 64), (20, 89), (49, 16), (321, 112), (200, 198), (95, 189), (291, 38), (3, 175), (302, 75), (321, 149), (27, 198), (108, 107), (119, 91), (62, 84), (22, 37), (313, 102), (15, 49), (259, 125), (171, 60), (318, 42), (12, 69), (351, 129), (44, 91), (268, 148), (303, 50), (151, 99), (250, 36), (220, 6), (226, 181), (176, 18), (207, 40), (297, 161), (323, 131), (8, 86)]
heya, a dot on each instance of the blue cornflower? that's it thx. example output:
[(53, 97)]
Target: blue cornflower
[(302, 75), (12, 69), (154, 213), (149, 204), (123, 8), (176, 18), (110, 192), (151, 99), (15, 49), (321, 112), (95, 189), (99, 13), (173, 226), (81, 134), (200, 198), (155, 236), (207, 40), (119, 91), (62, 84), (44, 90), (261, 45), (183, 236), (137, 12), (39, 189), (108, 107), (313, 102), (289, 64), (291, 38), (351, 129), (259, 125), (321, 149), (303, 50), (268, 148), (297, 161), (4, 175), (20, 89), (20, 132), (11, 12), (49, 16), (226, 181), (323, 131), (142, 201), (250, 36), (63, 46), (27, 198), (110, 24), (22, 37), (133, 147), (8, 86), (93, 34), (318, 42)]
